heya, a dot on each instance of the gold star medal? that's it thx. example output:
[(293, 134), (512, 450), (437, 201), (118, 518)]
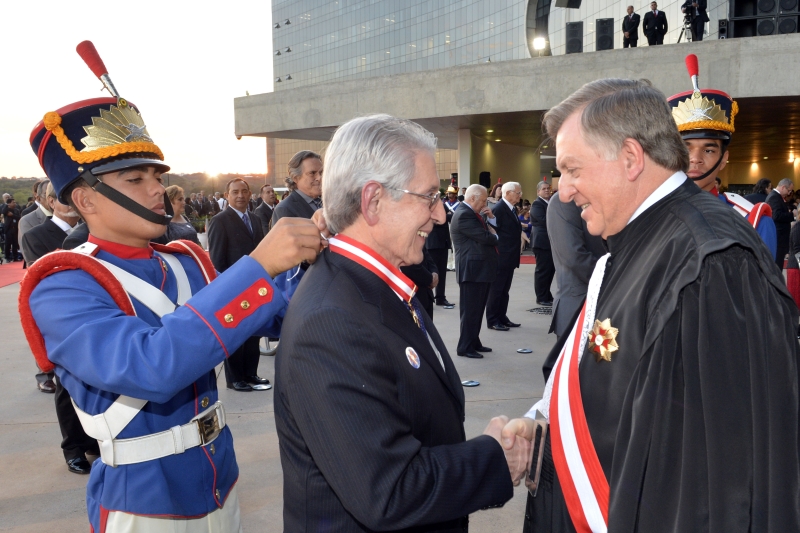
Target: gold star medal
[(602, 340)]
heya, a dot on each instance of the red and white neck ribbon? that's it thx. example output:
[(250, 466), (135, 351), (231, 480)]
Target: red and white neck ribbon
[(580, 474), (369, 259)]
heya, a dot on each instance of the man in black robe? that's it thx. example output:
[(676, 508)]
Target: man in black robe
[(693, 418)]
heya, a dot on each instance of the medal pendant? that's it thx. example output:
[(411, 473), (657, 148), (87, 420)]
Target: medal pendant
[(603, 340)]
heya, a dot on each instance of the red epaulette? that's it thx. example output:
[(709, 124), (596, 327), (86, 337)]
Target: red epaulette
[(759, 210), (62, 260)]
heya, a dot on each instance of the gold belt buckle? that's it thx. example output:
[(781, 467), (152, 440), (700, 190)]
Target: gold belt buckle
[(208, 427)]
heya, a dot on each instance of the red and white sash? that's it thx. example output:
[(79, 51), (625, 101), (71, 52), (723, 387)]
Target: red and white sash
[(582, 479)]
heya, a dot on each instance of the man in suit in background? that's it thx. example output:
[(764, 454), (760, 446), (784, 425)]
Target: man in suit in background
[(10, 213), (655, 25), (232, 234), (425, 276), (782, 216), (630, 29), (475, 242), (439, 245), (508, 229), (696, 9), (265, 210), (369, 407), (38, 241), (305, 175), (575, 252), (540, 242)]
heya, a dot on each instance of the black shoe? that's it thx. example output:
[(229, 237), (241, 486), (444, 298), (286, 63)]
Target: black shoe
[(255, 380), (546, 304), (445, 303), (510, 324), (240, 386), (471, 355), (48, 386), (484, 349), (79, 465), (499, 327)]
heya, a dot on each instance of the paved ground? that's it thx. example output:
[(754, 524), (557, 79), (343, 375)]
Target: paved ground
[(37, 493)]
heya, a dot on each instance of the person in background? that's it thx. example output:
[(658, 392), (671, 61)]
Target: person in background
[(178, 228), (761, 190), (495, 195), (268, 202), (545, 270), (305, 181), (630, 29), (10, 213), (783, 217), (793, 267), (696, 11), (655, 25), (527, 226)]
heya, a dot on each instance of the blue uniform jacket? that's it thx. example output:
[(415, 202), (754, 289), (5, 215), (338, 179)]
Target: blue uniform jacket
[(100, 353), (766, 230)]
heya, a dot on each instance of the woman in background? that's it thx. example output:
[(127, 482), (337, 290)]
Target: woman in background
[(179, 227)]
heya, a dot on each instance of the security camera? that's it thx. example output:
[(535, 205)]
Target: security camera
[(238, 137)]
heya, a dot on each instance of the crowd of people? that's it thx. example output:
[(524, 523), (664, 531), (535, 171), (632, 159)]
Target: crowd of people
[(671, 400)]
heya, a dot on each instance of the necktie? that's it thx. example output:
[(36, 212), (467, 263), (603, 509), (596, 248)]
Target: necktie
[(246, 221), (317, 203)]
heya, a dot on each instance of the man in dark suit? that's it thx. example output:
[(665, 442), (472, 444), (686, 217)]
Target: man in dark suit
[(782, 216), (508, 229), (425, 276), (575, 252), (655, 25), (232, 234), (369, 407), (10, 213), (696, 9), (475, 242), (540, 242), (630, 29), (439, 245), (265, 210), (38, 241), (305, 176)]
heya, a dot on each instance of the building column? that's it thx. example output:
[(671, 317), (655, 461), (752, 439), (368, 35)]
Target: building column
[(464, 155)]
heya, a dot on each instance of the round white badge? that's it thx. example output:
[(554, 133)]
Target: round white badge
[(412, 357)]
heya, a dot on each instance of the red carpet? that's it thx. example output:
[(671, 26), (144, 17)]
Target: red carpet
[(527, 260), (11, 273)]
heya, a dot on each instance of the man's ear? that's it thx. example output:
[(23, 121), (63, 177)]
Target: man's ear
[(371, 195), (724, 160), (632, 155), (84, 200)]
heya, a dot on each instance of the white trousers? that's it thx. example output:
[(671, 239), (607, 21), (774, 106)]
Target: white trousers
[(223, 520)]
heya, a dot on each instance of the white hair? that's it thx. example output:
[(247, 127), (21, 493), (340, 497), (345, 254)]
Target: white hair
[(378, 148), (510, 186), (474, 191)]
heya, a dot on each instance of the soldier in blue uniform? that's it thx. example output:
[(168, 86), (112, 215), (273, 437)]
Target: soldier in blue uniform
[(134, 332), (705, 119)]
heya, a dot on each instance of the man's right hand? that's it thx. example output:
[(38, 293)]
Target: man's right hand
[(290, 242)]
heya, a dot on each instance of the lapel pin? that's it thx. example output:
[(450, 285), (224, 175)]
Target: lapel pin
[(412, 357)]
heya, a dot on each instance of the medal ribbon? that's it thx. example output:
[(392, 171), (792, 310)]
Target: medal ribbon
[(583, 482)]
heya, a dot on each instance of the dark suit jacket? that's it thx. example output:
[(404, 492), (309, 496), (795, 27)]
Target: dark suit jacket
[(367, 441), (575, 252), (422, 276), (655, 25), (30, 209), (539, 221), (631, 24), (293, 206), (781, 215), (229, 240), (78, 236), (756, 198), (508, 230), (476, 247), (41, 240), (264, 214), (701, 8), (439, 237)]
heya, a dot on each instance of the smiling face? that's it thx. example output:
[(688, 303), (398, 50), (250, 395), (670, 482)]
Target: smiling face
[(406, 223), (599, 187), (703, 155), (310, 181)]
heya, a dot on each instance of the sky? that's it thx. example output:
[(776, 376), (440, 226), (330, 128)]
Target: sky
[(182, 64)]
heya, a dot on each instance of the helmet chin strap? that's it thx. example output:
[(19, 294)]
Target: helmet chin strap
[(128, 204), (707, 174)]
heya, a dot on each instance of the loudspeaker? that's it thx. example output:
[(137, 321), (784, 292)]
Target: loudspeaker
[(766, 7), (605, 34), (787, 24), (574, 37), (571, 4), (788, 6), (766, 26), (722, 30), (485, 179)]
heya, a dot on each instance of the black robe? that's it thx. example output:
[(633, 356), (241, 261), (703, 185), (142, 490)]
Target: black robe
[(695, 419)]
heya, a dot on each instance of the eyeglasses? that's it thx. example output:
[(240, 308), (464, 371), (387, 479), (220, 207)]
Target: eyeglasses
[(431, 199)]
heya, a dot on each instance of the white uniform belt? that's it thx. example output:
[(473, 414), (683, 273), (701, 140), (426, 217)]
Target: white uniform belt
[(200, 430)]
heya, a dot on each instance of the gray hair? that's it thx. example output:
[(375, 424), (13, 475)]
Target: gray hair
[(378, 148), (296, 166), (41, 188), (475, 190), (785, 182), (509, 186), (51, 191), (541, 185), (613, 110)]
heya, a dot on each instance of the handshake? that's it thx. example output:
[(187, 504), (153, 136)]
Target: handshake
[(522, 440)]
